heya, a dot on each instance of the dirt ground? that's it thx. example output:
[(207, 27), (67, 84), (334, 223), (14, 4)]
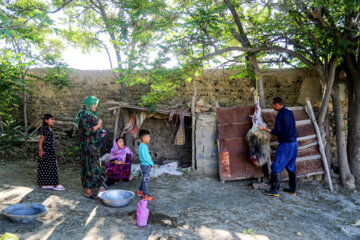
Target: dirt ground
[(187, 207)]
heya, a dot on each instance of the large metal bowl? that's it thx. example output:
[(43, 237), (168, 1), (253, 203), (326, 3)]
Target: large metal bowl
[(24, 212), (116, 197)]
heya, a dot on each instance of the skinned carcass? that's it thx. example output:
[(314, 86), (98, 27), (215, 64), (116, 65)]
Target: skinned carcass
[(258, 141)]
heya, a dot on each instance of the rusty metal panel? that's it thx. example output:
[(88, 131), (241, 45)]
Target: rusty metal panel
[(233, 124), (235, 114), (233, 130)]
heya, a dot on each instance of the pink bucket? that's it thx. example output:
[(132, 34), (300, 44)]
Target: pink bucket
[(142, 214)]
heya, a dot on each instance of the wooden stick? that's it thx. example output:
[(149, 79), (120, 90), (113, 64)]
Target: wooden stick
[(116, 122), (158, 110), (311, 114), (33, 123), (35, 131), (193, 124), (266, 110)]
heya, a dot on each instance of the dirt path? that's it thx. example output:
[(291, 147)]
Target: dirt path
[(187, 207)]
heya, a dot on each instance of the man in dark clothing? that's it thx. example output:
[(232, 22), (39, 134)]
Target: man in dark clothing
[(286, 153)]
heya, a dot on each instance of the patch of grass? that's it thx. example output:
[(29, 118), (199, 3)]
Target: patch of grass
[(249, 231)]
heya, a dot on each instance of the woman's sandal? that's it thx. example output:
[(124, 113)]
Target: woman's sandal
[(59, 188), (92, 196)]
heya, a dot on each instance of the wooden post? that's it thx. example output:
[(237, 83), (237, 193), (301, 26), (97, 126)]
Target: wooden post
[(116, 122), (193, 124), (321, 145)]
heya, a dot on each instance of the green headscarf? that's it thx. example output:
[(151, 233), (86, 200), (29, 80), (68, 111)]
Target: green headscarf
[(88, 102)]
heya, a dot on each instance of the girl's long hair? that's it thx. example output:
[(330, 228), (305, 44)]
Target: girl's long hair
[(47, 116)]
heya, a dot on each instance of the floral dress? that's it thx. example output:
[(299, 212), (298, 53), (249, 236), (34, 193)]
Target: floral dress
[(90, 146), (119, 172), (48, 167)]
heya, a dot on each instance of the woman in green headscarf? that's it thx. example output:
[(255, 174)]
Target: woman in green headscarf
[(90, 144)]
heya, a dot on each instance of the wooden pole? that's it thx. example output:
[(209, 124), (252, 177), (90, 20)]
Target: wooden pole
[(193, 124), (116, 122), (321, 145)]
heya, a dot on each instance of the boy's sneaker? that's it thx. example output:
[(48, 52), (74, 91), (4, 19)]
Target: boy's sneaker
[(148, 198), (139, 193)]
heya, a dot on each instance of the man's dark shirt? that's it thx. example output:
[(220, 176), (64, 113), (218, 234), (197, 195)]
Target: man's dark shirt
[(285, 127)]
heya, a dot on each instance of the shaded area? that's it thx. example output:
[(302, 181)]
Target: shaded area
[(187, 207)]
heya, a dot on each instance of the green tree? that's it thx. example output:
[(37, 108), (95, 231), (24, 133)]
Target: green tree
[(128, 29), (27, 40), (316, 34)]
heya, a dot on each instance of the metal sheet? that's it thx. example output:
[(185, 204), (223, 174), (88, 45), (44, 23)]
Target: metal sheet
[(233, 124)]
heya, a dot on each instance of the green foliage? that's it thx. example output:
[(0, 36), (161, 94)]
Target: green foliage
[(162, 82), (11, 86), (130, 30), (27, 40)]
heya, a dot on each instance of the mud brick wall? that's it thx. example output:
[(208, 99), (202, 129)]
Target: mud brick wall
[(213, 85), (206, 144), (293, 85), (161, 148)]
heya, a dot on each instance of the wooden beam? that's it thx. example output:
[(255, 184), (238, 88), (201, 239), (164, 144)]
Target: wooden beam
[(311, 114), (267, 110), (298, 139), (117, 112), (165, 109)]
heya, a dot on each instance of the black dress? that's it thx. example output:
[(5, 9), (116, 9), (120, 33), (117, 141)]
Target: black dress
[(48, 168)]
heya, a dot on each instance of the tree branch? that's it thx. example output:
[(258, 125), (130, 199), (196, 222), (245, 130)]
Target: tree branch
[(244, 40), (225, 50)]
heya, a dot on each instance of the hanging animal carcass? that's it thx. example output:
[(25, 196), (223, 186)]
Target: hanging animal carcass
[(258, 141)]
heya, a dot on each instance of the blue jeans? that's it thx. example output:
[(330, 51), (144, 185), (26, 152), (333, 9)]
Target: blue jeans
[(145, 179), (286, 155)]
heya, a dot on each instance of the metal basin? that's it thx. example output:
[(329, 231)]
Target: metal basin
[(24, 212), (116, 197)]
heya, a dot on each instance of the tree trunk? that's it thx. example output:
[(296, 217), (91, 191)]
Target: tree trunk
[(193, 125), (328, 137), (354, 129), (1, 126), (258, 77), (25, 114), (353, 146), (327, 93), (244, 40), (347, 178), (330, 78)]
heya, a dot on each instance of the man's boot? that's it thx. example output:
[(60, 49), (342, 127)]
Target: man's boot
[(292, 184), (275, 185)]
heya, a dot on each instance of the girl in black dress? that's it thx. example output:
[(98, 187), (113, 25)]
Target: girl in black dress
[(48, 168)]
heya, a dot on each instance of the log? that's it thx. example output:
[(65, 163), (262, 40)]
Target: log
[(116, 122), (193, 124), (311, 114), (164, 110)]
